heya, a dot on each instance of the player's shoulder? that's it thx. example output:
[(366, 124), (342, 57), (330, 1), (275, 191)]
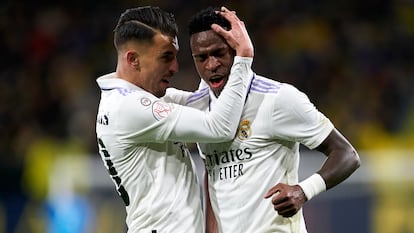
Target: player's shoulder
[(120, 89), (264, 85), (281, 94), (128, 98), (142, 109)]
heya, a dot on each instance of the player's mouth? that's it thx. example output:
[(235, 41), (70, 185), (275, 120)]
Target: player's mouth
[(216, 82), (166, 80), (164, 83)]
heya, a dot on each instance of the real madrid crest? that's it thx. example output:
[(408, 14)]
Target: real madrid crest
[(244, 130)]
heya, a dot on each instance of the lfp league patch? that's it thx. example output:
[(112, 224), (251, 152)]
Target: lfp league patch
[(161, 109)]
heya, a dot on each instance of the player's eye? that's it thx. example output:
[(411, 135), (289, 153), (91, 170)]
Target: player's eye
[(200, 58), (168, 57)]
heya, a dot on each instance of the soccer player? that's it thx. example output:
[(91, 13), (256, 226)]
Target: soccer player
[(253, 181), (140, 137)]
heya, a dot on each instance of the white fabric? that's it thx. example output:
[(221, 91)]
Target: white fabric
[(139, 136), (275, 120), (313, 185)]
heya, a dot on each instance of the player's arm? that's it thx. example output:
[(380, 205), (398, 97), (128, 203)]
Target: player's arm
[(176, 96), (211, 221), (342, 159), (221, 123)]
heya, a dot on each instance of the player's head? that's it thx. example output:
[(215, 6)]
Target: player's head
[(203, 20), (213, 57), (142, 23), (146, 41)]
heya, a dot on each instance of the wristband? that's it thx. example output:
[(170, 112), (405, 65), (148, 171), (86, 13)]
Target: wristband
[(313, 185)]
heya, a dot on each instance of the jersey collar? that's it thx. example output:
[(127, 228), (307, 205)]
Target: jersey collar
[(111, 81)]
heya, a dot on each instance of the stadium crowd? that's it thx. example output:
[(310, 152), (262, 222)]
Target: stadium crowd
[(354, 59)]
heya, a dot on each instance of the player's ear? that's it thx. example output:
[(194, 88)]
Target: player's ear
[(132, 58)]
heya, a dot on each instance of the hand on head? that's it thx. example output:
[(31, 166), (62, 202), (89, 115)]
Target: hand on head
[(237, 37)]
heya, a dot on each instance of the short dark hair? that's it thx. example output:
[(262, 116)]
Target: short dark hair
[(141, 24), (203, 20)]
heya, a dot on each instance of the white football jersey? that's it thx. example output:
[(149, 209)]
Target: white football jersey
[(276, 119), (140, 139)]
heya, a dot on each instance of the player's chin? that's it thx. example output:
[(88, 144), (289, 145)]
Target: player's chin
[(217, 91), (160, 92)]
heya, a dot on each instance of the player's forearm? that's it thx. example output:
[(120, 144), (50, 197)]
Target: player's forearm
[(222, 121), (225, 115), (232, 98), (176, 96)]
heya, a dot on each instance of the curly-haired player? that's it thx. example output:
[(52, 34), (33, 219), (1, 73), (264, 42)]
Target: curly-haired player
[(253, 181)]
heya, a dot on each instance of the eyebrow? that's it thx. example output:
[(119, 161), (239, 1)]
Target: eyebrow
[(202, 53), (167, 53)]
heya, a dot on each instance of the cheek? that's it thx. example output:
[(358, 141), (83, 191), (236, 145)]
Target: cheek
[(228, 61), (200, 70), (156, 70), (227, 68)]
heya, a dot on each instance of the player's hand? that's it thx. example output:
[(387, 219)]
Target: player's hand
[(287, 199), (237, 37)]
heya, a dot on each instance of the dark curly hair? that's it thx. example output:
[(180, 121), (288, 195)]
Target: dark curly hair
[(203, 20)]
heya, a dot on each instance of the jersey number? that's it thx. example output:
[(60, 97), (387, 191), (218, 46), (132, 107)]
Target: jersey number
[(113, 173)]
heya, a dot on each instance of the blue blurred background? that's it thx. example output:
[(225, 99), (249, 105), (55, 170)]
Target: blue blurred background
[(354, 59)]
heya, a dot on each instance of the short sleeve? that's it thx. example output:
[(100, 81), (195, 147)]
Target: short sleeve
[(295, 118)]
